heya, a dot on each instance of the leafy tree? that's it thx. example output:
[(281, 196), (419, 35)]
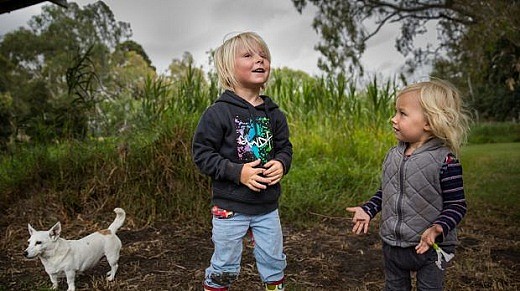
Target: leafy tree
[(129, 74), (59, 70), (132, 46), (184, 67), (485, 63), (478, 40), (346, 26), (6, 105), (129, 69), (6, 127), (58, 35)]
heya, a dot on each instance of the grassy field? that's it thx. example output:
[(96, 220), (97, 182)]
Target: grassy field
[(489, 254), (492, 176)]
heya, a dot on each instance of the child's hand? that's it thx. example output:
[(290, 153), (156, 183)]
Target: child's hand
[(361, 220), (252, 177), (428, 238), (273, 171)]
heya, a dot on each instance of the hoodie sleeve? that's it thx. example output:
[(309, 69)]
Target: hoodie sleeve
[(207, 141), (282, 144)]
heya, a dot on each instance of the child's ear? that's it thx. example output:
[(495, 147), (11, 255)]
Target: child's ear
[(427, 127)]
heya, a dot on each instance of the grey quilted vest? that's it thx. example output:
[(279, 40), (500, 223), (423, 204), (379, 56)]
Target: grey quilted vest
[(412, 196)]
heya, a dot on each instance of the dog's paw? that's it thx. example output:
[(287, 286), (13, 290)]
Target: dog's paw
[(110, 277)]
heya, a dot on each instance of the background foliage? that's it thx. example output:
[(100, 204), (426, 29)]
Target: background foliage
[(478, 50), (86, 121)]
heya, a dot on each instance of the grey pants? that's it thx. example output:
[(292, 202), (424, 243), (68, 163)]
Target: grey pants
[(399, 262)]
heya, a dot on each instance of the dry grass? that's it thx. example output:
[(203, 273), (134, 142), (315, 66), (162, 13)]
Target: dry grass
[(325, 256)]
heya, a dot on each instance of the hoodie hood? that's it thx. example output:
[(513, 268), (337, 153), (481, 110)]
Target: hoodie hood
[(232, 98)]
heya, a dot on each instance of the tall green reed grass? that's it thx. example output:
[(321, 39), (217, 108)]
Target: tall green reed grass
[(340, 134)]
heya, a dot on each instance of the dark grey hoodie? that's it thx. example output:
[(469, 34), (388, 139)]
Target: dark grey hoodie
[(232, 132)]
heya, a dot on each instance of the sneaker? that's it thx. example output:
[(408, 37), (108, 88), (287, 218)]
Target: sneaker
[(274, 287)]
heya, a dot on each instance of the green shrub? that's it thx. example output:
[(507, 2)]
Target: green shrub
[(494, 132)]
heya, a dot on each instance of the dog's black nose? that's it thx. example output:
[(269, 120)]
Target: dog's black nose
[(25, 253)]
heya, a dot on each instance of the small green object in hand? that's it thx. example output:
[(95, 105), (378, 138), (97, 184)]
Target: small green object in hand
[(440, 255)]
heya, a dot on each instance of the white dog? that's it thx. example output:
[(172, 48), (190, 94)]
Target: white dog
[(70, 256)]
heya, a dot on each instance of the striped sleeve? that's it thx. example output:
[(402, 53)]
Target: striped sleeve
[(454, 202), (373, 206)]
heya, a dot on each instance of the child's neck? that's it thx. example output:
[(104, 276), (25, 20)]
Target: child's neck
[(250, 95), (412, 147)]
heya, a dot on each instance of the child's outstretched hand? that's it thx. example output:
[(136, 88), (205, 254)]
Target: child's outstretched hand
[(252, 177), (361, 220), (273, 171), (428, 238)]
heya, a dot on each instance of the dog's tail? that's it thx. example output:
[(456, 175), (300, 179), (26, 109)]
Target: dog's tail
[(118, 222)]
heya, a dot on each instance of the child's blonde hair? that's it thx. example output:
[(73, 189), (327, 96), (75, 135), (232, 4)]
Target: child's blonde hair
[(226, 53), (443, 107)]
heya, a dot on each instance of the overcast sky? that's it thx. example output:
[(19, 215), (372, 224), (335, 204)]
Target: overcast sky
[(168, 28)]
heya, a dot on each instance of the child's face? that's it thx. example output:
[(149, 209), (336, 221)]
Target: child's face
[(409, 122), (251, 68)]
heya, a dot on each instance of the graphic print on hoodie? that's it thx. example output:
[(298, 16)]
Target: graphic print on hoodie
[(254, 138)]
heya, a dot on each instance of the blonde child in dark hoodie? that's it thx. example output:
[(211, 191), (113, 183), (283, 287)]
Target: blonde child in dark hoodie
[(242, 143)]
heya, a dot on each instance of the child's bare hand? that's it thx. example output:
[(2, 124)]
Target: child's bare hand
[(428, 238), (252, 177), (361, 220), (273, 171)]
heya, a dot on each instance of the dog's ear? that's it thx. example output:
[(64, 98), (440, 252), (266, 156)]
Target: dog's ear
[(31, 229), (55, 231)]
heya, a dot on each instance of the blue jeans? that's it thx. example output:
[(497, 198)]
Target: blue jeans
[(228, 234), (399, 262)]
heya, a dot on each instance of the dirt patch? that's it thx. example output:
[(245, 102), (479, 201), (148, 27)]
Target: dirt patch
[(326, 256)]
